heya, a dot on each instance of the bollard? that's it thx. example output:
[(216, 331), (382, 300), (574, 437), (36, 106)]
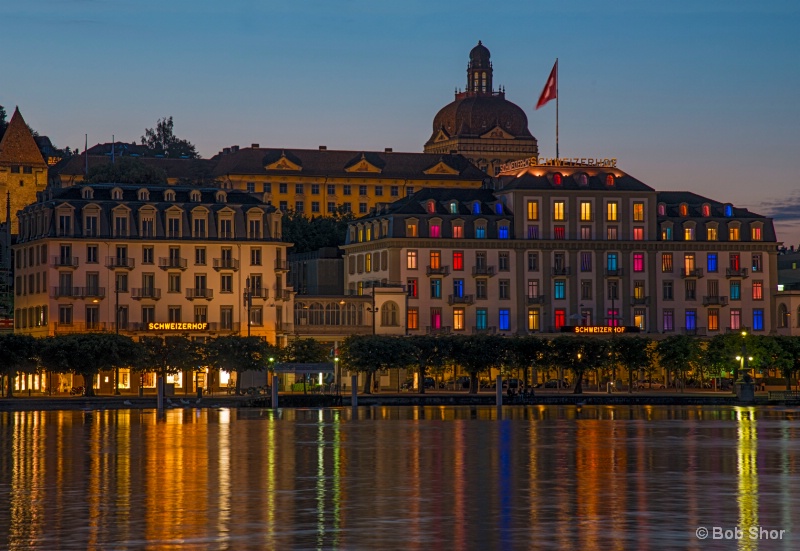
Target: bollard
[(499, 389), (354, 390), (160, 393), (274, 392)]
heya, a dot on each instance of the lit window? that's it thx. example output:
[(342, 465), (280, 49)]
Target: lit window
[(733, 233), (758, 319), (610, 180), (533, 232), (458, 231), (458, 260), (368, 263), (431, 207), (662, 209), (684, 210), (706, 213), (666, 262), (557, 179), (481, 318), (711, 233), (736, 290), (638, 234), (666, 233), (412, 287), (533, 210), (476, 208), (688, 234), (691, 320), (713, 319), (638, 262), (436, 230), (498, 208), (458, 319), (758, 290), (558, 211), (435, 259), (411, 229), (586, 211), (728, 211), (453, 208), (533, 319), (502, 232), (413, 318), (612, 211), (638, 212), (755, 233), (560, 290), (411, 260), (559, 318), (736, 319), (669, 320), (480, 232), (505, 319), (559, 232)]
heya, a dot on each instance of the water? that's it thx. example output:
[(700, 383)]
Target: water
[(400, 478)]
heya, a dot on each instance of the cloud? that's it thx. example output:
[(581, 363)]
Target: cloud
[(787, 209)]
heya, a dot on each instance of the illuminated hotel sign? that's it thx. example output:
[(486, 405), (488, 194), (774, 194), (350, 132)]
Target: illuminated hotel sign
[(562, 161), (198, 326), (599, 329)]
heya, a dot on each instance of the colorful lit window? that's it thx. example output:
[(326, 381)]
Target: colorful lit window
[(638, 262), (733, 233), (560, 318), (476, 208), (612, 211), (758, 290), (436, 230), (736, 290), (480, 232), (728, 211), (559, 232), (688, 233), (662, 209), (559, 212), (413, 318), (411, 229), (666, 262), (691, 320), (412, 287), (504, 319), (684, 209), (458, 260), (610, 180), (458, 231), (560, 290), (411, 260), (557, 179), (436, 318), (533, 210), (498, 208), (435, 259), (666, 233), (713, 319), (638, 212), (736, 319), (711, 233), (586, 211), (533, 319), (706, 211), (755, 233), (431, 207), (458, 319), (502, 232), (758, 319), (638, 234)]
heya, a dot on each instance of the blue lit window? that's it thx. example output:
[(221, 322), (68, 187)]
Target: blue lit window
[(736, 290), (505, 319), (502, 232), (458, 288), (498, 208), (560, 291), (476, 208), (480, 232), (712, 262), (728, 211), (758, 319), (691, 320), (481, 318), (611, 261), (436, 288)]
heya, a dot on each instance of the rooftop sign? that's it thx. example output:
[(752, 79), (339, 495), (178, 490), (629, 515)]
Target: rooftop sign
[(561, 161)]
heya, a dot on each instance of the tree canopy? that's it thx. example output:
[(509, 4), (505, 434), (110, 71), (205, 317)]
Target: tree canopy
[(311, 234), (126, 170), (162, 140)]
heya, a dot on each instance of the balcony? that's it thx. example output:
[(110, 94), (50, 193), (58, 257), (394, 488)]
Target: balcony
[(64, 291), (694, 332), (640, 301), (93, 292), (613, 272), (80, 327), (281, 266), (226, 264), (715, 301), (283, 294), (437, 330), (64, 261), (192, 294), (258, 292), (441, 270), (560, 271), (124, 262), (730, 272), (146, 292), (487, 271), (172, 263), (484, 330), (464, 299), (536, 299), (694, 273)]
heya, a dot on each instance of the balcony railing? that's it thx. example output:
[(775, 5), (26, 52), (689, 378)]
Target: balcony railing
[(114, 262), (64, 261), (93, 292), (483, 271), (438, 330), (730, 272), (171, 263), (536, 299), (146, 292), (694, 332), (455, 299), (283, 294), (484, 330), (715, 301), (694, 273), (258, 292), (613, 272), (640, 301), (441, 270), (192, 294), (281, 266), (226, 264), (560, 271), (63, 291)]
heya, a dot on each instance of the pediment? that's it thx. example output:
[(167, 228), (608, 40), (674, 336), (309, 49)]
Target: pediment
[(497, 133), (441, 136), (283, 164), (363, 166), (441, 168)]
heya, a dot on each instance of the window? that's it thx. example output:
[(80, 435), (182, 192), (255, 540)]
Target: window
[(368, 262), (411, 229), (346, 190), (503, 261), (711, 233), (458, 261), (638, 289), (688, 233), (735, 262), (481, 318), (390, 314), (283, 206), (436, 288), (533, 210), (173, 227), (174, 283), (226, 283), (691, 320), (476, 208), (268, 188), (411, 260), (713, 319), (755, 233), (65, 314), (533, 288), (586, 211), (612, 211), (331, 206), (560, 289), (533, 232), (378, 191), (668, 291), (638, 262), (757, 263), (733, 233), (611, 233), (560, 318), (559, 232), (394, 191), (314, 206), (436, 318), (283, 188), (586, 261), (586, 290), (638, 212), (91, 226), (666, 262), (435, 258), (199, 227), (257, 316), (502, 232), (533, 319), (458, 231), (691, 289), (121, 226), (435, 230), (758, 290), (458, 288), (533, 262), (255, 256), (412, 318), (480, 232), (612, 263), (458, 319), (480, 288), (91, 254), (613, 290), (200, 256), (505, 289), (711, 263), (666, 233), (362, 208), (174, 314), (504, 319), (559, 213), (736, 319), (147, 255), (586, 233), (412, 287), (736, 290), (758, 319)]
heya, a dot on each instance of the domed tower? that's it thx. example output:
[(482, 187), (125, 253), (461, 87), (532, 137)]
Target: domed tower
[(481, 123)]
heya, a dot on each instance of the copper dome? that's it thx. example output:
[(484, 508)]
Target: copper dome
[(474, 115)]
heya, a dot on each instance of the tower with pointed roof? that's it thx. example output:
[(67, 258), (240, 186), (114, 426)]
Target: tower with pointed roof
[(481, 124), (23, 170)]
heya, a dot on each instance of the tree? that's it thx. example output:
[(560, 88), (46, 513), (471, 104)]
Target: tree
[(784, 354), (428, 351), (524, 352), (579, 355), (19, 353), (162, 141), (169, 355), (370, 353), (237, 354), (634, 354), (3, 121), (478, 353), (311, 234), (677, 354), (306, 351), (126, 170)]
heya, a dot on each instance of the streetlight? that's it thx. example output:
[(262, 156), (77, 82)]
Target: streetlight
[(741, 357), (116, 330), (248, 300)]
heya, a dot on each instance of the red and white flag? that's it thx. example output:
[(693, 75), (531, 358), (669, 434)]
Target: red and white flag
[(550, 88)]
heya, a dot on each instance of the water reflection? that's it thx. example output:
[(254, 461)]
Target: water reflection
[(384, 477)]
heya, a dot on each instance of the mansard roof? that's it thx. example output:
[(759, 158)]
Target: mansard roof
[(572, 179), (465, 198)]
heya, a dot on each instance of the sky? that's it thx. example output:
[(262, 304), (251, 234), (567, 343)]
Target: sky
[(687, 95)]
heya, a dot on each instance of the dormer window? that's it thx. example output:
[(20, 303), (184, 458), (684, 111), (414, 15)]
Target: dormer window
[(116, 194), (756, 231), (222, 197), (583, 180), (728, 211), (458, 229), (476, 207), (194, 196), (169, 196), (662, 209), (411, 228), (87, 193), (453, 208), (684, 209), (498, 208), (558, 179), (144, 195), (480, 230), (706, 210), (689, 231), (430, 207), (610, 180), (503, 231), (733, 231)]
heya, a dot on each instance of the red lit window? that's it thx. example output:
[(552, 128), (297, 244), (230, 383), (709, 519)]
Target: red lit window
[(436, 318), (613, 317), (557, 179), (559, 232), (560, 318), (610, 180), (436, 231), (735, 262), (684, 210), (411, 286), (706, 210), (458, 260)]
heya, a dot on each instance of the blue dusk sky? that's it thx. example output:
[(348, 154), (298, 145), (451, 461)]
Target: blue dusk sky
[(687, 95)]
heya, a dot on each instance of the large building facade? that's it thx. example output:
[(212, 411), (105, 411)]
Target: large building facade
[(554, 247)]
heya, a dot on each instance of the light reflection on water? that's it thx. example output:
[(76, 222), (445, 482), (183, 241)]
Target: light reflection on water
[(398, 478)]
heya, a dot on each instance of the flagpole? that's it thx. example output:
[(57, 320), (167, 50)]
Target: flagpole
[(86, 154), (556, 108)]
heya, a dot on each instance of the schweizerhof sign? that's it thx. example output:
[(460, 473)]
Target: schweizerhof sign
[(561, 161), (176, 326)]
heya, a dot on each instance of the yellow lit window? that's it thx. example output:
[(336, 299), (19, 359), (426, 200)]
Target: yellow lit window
[(413, 318), (458, 319), (638, 212), (733, 233), (360, 235), (586, 211), (436, 259), (612, 211), (533, 210), (411, 230), (368, 263), (558, 210), (755, 233), (369, 234), (533, 319), (411, 260), (711, 234), (688, 234)]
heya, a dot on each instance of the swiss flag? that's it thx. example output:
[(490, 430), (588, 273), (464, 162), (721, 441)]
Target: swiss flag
[(550, 88)]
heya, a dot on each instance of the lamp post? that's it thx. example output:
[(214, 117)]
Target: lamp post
[(116, 330), (248, 301), (741, 358)]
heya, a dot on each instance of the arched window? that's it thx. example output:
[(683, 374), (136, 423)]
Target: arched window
[(316, 314), (557, 179), (476, 207), (87, 193), (169, 195), (389, 314), (300, 313), (610, 180), (662, 209), (498, 208), (332, 314), (194, 196), (728, 211), (583, 180), (431, 208), (684, 209), (706, 210), (350, 315), (116, 194), (783, 316)]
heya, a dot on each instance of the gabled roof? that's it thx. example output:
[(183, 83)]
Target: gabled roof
[(18, 145)]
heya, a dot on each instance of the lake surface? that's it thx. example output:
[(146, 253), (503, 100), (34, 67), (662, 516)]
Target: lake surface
[(411, 478)]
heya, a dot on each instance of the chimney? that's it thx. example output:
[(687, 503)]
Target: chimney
[(387, 150), (234, 148), (226, 150), (323, 148), (255, 145)]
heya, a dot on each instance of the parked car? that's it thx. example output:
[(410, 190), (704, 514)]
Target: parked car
[(407, 384)]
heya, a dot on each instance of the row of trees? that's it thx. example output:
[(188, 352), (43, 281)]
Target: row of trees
[(87, 354), (681, 356)]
